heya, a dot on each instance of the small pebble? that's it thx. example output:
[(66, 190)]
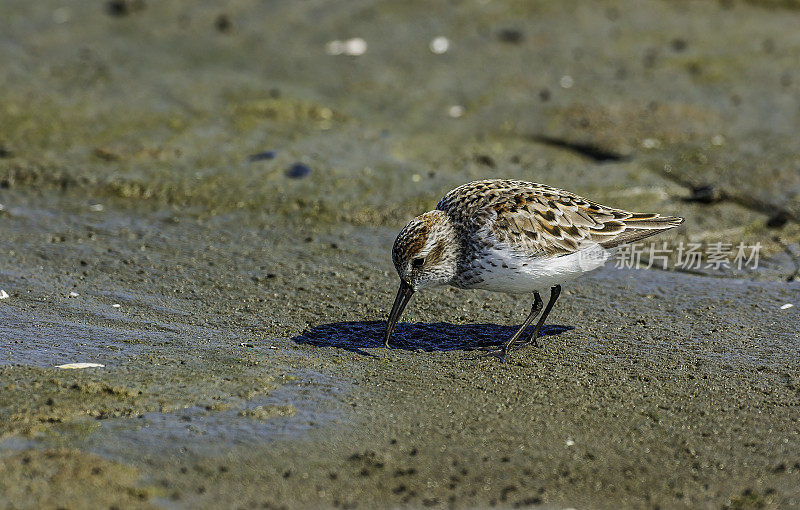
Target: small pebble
[(3, 294), (678, 45), (569, 442), (786, 306), (544, 95), (707, 194), (651, 143), (261, 156), (73, 294), (352, 47), (455, 111), (116, 305), (121, 8), (223, 24), (355, 47), (298, 171), (107, 153), (334, 47), (510, 35), (96, 207), (80, 365), (440, 45), (485, 160), (566, 82)]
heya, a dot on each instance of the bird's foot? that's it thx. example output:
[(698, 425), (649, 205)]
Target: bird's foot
[(500, 353), (533, 341)]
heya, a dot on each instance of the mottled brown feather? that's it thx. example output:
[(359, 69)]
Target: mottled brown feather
[(436, 254), (538, 220), (411, 241)]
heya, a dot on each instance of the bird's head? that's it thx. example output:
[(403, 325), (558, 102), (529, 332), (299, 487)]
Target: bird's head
[(425, 254)]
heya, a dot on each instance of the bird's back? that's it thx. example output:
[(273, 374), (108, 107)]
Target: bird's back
[(512, 227), (539, 220)]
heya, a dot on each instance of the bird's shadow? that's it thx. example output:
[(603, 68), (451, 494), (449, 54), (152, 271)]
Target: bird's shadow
[(426, 336)]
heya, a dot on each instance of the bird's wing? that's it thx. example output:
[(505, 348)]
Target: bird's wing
[(538, 220)]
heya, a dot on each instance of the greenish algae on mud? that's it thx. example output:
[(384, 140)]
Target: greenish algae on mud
[(244, 365), (47, 479)]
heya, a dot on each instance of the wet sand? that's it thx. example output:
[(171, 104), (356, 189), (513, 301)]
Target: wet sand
[(244, 365)]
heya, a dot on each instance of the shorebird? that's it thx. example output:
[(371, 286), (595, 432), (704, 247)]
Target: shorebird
[(515, 237)]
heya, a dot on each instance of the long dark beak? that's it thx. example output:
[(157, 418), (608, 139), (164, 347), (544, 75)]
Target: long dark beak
[(403, 295)]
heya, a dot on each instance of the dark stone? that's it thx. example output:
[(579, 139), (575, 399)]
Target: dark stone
[(261, 156), (298, 171), (678, 44), (485, 160), (510, 35), (544, 95), (223, 24), (778, 219), (706, 194), (120, 8)]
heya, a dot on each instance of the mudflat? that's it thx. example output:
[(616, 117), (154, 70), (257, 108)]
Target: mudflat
[(203, 198)]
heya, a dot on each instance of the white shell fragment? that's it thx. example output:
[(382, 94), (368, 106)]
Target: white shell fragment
[(77, 366), (355, 47), (73, 294), (3, 294), (352, 47), (440, 45), (116, 305), (455, 111), (334, 48), (787, 306), (651, 143)]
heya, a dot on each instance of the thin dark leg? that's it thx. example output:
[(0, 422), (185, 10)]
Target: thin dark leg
[(554, 293), (535, 309)]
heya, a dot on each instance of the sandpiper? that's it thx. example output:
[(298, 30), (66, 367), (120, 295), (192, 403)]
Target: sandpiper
[(514, 237)]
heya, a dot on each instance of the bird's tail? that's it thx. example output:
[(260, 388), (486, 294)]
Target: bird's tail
[(641, 225)]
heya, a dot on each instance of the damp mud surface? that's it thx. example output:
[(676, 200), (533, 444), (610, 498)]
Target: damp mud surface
[(202, 199)]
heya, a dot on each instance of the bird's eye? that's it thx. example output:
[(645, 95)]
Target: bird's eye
[(417, 262)]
